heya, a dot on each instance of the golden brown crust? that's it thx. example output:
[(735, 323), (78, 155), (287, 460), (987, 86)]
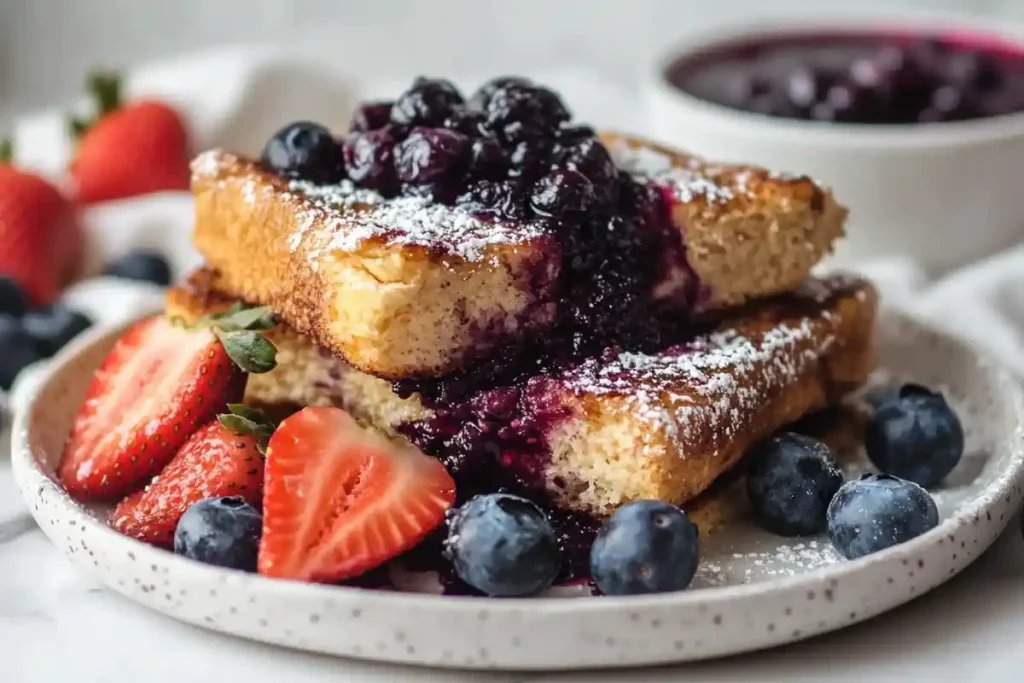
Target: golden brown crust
[(748, 232), (663, 426), (401, 295), (682, 421), (390, 308)]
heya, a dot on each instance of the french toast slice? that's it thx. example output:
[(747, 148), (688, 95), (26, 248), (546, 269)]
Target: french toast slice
[(603, 432), (407, 288)]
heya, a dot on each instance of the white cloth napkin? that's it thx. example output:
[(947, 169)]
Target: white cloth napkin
[(236, 98)]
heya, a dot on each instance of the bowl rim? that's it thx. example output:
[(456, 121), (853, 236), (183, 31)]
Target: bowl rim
[(662, 94)]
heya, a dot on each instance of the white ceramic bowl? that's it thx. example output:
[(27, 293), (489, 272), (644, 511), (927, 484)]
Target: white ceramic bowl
[(945, 193)]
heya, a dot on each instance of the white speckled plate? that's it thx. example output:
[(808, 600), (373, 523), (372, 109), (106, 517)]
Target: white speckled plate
[(753, 590)]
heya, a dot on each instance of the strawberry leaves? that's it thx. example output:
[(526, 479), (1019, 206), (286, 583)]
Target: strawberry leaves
[(249, 350), (238, 330), (105, 91), (245, 420)]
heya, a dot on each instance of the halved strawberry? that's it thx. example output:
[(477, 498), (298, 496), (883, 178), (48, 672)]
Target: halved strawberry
[(155, 388), (339, 499), (214, 462), (158, 385)]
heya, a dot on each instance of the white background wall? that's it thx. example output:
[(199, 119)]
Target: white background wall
[(47, 45)]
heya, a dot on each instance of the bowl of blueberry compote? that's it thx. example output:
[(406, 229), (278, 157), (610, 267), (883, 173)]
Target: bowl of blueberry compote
[(918, 124)]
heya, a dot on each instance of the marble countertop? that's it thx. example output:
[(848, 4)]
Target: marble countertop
[(58, 623)]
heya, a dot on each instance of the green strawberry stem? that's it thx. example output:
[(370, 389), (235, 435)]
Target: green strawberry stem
[(104, 87), (6, 150), (245, 420)]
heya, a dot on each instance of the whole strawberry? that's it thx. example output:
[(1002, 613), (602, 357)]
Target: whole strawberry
[(131, 148), (40, 236)]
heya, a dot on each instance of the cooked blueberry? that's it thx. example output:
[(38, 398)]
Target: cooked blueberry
[(429, 154), (487, 160), (13, 300), (969, 69), (148, 266), (876, 512), (570, 136), (561, 193), (54, 326), (591, 158), (915, 436), (220, 531), (806, 86), (369, 158), (19, 349), (518, 111), (645, 547), (503, 545), (530, 159), (743, 88), (774, 104), (504, 199), (427, 103), (483, 94), (306, 151), (792, 478), (371, 116), (469, 122)]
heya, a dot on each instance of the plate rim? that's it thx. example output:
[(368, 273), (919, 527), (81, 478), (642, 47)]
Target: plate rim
[(33, 481)]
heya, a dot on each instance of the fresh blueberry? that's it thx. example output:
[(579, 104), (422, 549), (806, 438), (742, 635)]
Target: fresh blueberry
[(561, 193), (878, 511), (427, 103), (18, 349), (369, 158), (915, 435), (220, 531), (306, 151), (147, 266), (13, 300), (791, 480), (430, 154), (371, 116), (645, 547), (503, 545), (54, 326)]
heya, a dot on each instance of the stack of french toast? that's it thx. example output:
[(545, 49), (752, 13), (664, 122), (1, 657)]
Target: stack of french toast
[(584, 319)]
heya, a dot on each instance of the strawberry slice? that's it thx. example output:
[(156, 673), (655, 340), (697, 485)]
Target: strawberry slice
[(339, 499), (154, 389), (158, 385), (213, 462)]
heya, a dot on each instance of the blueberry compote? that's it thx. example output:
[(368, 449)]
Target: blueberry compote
[(860, 78), (510, 153)]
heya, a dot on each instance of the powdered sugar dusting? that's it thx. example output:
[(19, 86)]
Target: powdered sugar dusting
[(207, 163), (359, 215), (708, 385), (686, 182)]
